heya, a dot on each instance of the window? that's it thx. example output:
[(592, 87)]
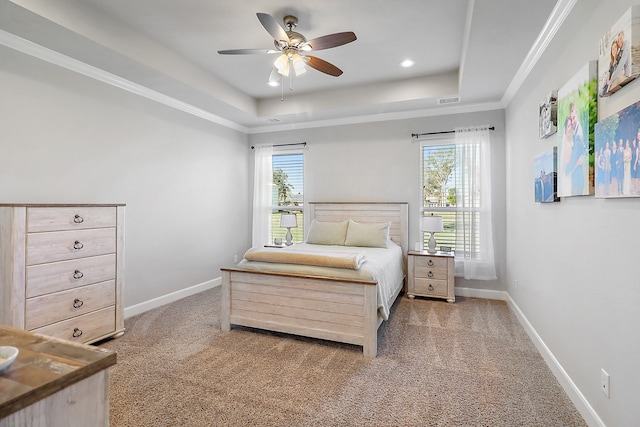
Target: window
[(288, 193), (439, 190), (456, 185), (278, 188)]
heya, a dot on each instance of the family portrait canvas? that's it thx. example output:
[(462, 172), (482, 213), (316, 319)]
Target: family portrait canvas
[(548, 115), (545, 176), (577, 115), (617, 147), (619, 56)]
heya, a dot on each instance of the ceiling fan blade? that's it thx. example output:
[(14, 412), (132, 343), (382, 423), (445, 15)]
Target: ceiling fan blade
[(277, 32), (246, 51), (331, 40), (323, 66)]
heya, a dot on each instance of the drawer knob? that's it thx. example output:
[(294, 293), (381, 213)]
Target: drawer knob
[(430, 274), (78, 219), (430, 263), (431, 288), (78, 274), (77, 245), (77, 303), (77, 332)]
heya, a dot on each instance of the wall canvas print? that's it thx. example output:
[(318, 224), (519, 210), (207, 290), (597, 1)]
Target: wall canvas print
[(619, 57), (577, 115), (548, 115), (617, 154), (545, 176)]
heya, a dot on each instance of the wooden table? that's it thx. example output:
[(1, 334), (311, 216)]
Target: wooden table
[(54, 382)]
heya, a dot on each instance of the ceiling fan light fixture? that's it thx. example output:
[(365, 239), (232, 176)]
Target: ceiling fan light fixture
[(274, 78), (298, 64), (282, 64)]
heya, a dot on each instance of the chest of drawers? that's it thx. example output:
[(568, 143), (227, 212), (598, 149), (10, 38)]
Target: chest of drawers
[(62, 270), (431, 275)]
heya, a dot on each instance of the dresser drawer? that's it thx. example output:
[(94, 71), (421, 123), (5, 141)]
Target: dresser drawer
[(64, 245), (59, 276), (429, 287), (69, 218), (51, 308), (86, 328)]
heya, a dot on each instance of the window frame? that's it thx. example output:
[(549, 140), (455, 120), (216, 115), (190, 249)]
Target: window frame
[(276, 210), (449, 213)]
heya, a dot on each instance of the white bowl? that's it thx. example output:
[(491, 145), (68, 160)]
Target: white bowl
[(7, 355)]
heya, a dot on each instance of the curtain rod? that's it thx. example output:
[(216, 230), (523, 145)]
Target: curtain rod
[(417, 135), (284, 145)]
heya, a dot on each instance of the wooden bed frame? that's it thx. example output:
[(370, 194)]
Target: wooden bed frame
[(328, 308)]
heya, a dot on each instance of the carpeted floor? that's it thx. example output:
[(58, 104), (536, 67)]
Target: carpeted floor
[(439, 364)]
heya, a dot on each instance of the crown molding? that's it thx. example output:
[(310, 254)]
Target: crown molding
[(556, 19), (45, 54)]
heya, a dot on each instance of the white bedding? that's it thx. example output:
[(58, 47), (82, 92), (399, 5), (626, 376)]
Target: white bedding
[(383, 265)]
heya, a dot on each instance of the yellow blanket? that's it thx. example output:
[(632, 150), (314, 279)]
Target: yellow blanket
[(347, 260)]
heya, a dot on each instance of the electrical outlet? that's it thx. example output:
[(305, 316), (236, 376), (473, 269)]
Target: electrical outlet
[(235, 258), (604, 382), (515, 282)]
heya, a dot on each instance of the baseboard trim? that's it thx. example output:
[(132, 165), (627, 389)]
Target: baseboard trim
[(581, 403), (481, 293), (173, 296)]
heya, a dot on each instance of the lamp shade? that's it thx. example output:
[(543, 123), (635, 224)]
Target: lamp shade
[(432, 223), (288, 220)]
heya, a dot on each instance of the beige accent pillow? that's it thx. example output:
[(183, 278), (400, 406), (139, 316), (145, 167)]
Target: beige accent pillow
[(327, 233), (367, 235)]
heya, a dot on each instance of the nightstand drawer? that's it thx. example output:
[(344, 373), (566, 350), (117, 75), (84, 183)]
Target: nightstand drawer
[(430, 287), (430, 262)]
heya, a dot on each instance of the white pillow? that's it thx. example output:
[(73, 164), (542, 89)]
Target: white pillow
[(368, 235), (327, 233)]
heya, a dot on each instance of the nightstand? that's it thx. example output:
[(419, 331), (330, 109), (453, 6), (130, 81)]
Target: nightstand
[(431, 275)]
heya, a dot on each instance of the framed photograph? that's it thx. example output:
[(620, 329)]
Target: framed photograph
[(545, 177), (618, 62), (548, 115), (577, 116), (617, 148)]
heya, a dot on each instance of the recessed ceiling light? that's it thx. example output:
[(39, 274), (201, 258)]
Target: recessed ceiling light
[(407, 63), (273, 83)]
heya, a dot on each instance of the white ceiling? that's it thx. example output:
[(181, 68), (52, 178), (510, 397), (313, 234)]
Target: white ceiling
[(464, 48)]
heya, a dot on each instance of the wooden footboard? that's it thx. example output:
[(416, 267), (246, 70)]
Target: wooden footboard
[(342, 310), (326, 308)]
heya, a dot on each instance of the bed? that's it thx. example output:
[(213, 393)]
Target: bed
[(319, 303)]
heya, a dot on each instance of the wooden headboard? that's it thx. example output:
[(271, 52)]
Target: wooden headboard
[(370, 212)]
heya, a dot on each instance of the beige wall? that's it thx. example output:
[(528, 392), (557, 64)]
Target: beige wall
[(577, 261), (65, 138), (379, 162)]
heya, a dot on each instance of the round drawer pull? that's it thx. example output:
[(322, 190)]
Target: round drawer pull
[(431, 288), (77, 332), (430, 263), (77, 245), (430, 274), (78, 219), (77, 303), (78, 274)]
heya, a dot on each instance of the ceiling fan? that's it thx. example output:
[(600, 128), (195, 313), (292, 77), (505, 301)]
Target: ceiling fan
[(293, 48)]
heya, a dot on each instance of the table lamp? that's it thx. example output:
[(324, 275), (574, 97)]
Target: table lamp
[(288, 221), (432, 224)]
